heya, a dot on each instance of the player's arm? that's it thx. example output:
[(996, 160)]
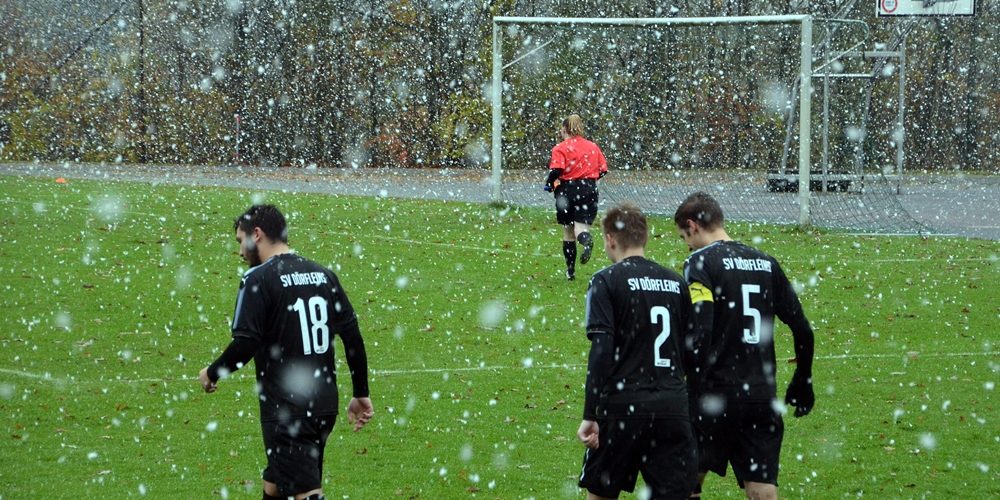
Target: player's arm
[(346, 326), (702, 323), (602, 169), (600, 318), (239, 352), (557, 165), (692, 341), (789, 310), (554, 174), (599, 365), (246, 340), (600, 322), (360, 409), (357, 358)]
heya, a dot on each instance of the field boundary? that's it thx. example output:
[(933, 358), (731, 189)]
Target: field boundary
[(963, 205)]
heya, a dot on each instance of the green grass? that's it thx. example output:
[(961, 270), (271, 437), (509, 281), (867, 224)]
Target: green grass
[(116, 294)]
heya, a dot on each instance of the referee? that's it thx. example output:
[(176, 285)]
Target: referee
[(574, 169), (287, 312)]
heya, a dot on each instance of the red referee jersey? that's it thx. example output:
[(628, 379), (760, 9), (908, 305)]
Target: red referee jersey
[(579, 159)]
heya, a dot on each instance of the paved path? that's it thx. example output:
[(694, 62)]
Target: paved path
[(962, 205)]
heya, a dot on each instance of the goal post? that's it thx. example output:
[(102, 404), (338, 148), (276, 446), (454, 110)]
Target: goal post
[(805, 23)]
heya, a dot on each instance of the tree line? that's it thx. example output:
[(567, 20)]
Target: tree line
[(405, 83)]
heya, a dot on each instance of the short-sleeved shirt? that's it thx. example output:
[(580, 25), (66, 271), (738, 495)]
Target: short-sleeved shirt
[(293, 307), (748, 289), (647, 309), (578, 158)]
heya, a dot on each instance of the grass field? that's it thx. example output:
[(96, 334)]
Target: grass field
[(114, 295)]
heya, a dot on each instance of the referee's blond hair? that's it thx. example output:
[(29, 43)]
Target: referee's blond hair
[(573, 125)]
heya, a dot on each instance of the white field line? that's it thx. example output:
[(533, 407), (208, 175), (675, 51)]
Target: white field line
[(49, 209), (372, 236), (494, 368), (536, 252), (24, 374)]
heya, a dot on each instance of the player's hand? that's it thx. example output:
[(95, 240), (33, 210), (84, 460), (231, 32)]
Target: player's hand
[(800, 394), (547, 188), (589, 434), (206, 383), (359, 412)]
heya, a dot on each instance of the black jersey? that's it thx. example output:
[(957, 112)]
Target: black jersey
[(748, 290), (293, 307), (647, 309)]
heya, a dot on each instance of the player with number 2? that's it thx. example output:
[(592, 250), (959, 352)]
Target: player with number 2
[(635, 413)]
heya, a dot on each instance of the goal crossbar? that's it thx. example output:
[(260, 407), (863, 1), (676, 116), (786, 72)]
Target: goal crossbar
[(805, 23)]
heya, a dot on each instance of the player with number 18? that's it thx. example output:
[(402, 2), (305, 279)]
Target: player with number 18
[(287, 312)]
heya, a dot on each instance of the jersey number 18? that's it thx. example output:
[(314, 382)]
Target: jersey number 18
[(315, 332)]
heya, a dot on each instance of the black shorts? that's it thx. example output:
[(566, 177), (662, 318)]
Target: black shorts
[(294, 450), (662, 450), (576, 201), (747, 436)]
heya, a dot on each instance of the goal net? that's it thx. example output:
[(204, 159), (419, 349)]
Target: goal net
[(680, 105)]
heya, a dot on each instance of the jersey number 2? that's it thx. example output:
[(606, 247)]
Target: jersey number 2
[(312, 321), (660, 314)]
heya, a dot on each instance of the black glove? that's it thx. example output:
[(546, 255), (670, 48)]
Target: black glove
[(547, 188), (800, 394)]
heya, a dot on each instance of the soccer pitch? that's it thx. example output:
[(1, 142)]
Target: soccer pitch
[(115, 294)]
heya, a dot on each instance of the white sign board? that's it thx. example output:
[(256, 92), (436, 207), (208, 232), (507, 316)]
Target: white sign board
[(926, 7)]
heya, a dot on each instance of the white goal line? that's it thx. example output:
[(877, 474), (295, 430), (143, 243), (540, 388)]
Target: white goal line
[(48, 377)]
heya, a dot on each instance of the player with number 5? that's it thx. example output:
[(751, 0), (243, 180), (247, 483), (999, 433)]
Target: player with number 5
[(737, 291), (287, 310), (635, 414)]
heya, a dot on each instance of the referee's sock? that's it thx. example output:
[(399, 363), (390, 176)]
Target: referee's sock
[(587, 241), (569, 251)]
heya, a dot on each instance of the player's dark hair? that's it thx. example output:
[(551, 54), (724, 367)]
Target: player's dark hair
[(627, 224), (701, 207), (268, 218), (573, 125)]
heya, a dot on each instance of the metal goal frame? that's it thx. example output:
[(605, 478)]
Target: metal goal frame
[(805, 23)]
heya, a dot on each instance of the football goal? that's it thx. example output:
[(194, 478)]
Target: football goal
[(720, 104)]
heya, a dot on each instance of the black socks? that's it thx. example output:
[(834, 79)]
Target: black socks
[(569, 251), (587, 241)]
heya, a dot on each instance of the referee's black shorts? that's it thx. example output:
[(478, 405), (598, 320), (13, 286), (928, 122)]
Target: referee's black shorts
[(662, 450), (294, 450), (576, 201), (747, 435)]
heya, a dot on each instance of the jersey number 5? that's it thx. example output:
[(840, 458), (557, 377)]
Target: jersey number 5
[(660, 314), (315, 332), (751, 336)]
